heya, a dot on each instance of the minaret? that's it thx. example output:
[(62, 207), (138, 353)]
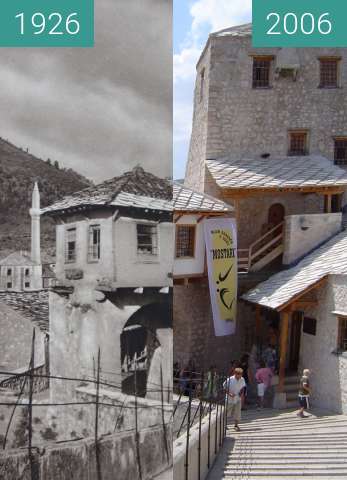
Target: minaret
[(35, 226)]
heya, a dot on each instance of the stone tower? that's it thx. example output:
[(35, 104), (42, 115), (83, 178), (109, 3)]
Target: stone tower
[(253, 102), (35, 226)]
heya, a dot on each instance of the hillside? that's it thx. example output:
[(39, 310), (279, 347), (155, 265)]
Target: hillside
[(18, 172)]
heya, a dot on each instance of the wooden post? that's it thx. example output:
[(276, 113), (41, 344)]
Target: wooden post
[(327, 203), (283, 348), (257, 322)]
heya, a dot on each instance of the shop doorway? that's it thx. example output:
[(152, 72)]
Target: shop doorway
[(295, 339)]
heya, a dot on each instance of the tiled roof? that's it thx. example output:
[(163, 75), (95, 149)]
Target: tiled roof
[(17, 259), (136, 188), (244, 30), (279, 289), (276, 172), (187, 200)]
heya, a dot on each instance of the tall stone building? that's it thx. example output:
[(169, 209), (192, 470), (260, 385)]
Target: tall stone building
[(271, 101), (269, 138)]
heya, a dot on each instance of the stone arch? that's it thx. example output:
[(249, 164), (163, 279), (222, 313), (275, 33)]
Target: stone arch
[(146, 344)]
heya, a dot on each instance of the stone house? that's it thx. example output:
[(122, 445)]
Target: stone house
[(113, 284), (269, 138), (193, 329)]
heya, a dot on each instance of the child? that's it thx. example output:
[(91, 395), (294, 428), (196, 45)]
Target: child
[(304, 393), (263, 377)]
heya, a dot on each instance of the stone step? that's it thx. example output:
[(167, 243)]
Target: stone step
[(250, 462), (294, 476), (288, 470), (292, 456), (294, 448)]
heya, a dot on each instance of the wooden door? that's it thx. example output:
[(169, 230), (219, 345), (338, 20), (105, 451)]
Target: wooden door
[(295, 338), (276, 214)]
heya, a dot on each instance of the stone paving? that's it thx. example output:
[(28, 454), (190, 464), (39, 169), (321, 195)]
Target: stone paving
[(276, 444)]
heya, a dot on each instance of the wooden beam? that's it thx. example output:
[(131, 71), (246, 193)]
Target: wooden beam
[(283, 348), (303, 292), (301, 304), (327, 203), (178, 217), (234, 193), (257, 321)]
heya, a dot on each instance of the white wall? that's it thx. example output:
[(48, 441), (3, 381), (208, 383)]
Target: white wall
[(191, 266), (302, 233), (119, 265), (329, 371)]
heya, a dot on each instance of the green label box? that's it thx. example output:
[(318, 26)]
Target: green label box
[(47, 23), (299, 23)]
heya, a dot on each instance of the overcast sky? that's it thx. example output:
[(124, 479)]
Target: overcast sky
[(193, 21), (102, 110)]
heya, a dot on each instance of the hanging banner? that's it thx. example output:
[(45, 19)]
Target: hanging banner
[(221, 254)]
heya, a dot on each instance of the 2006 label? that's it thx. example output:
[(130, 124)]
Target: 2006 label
[(53, 24), (306, 24)]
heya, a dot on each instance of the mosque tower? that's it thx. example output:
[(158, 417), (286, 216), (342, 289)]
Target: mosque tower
[(35, 226)]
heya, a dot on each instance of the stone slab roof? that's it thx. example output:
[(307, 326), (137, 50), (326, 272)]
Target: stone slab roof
[(187, 200), (132, 189), (276, 172), (32, 305), (244, 30), (278, 290), (17, 259)]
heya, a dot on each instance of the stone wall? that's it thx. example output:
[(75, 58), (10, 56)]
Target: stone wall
[(77, 460), (239, 119), (329, 370), (194, 336), (303, 233)]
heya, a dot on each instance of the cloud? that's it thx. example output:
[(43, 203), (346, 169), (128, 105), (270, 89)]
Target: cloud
[(101, 110)]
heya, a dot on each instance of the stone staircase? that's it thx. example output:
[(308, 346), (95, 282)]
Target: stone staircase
[(291, 388), (278, 445)]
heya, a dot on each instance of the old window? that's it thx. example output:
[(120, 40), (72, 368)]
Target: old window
[(27, 272), (342, 334), (9, 284), (202, 84), (329, 68), (94, 243), (185, 241), (70, 245), (340, 151), (27, 284), (9, 272), (147, 239), (298, 143), (261, 72)]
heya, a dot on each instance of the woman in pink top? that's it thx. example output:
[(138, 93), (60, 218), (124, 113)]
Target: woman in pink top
[(263, 377)]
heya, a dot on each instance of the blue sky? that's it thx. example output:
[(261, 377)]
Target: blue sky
[(193, 21)]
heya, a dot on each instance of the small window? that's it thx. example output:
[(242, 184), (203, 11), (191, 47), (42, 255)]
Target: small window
[(27, 272), (329, 72), (94, 243), (27, 284), (147, 239), (185, 241), (340, 151), (342, 334), (70, 245), (309, 326), (9, 284), (202, 84), (261, 72), (298, 143), (9, 272)]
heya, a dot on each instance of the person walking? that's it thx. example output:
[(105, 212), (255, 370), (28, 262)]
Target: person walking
[(211, 386), (244, 364), (304, 393), (263, 377), (233, 387)]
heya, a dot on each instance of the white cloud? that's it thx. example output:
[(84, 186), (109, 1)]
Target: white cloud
[(207, 16)]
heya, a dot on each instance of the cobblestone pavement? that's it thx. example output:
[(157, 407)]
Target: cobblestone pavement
[(276, 444)]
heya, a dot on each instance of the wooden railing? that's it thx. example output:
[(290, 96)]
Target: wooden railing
[(260, 248)]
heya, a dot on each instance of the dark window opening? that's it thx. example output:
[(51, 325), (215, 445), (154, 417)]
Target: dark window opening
[(27, 272), (298, 143), (70, 246), (27, 284), (185, 241), (261, 72), (309, 326), (94, 243), (9, 284), (202, 84), (9, 272), (340, 151), (147, 239), (342, 334)]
